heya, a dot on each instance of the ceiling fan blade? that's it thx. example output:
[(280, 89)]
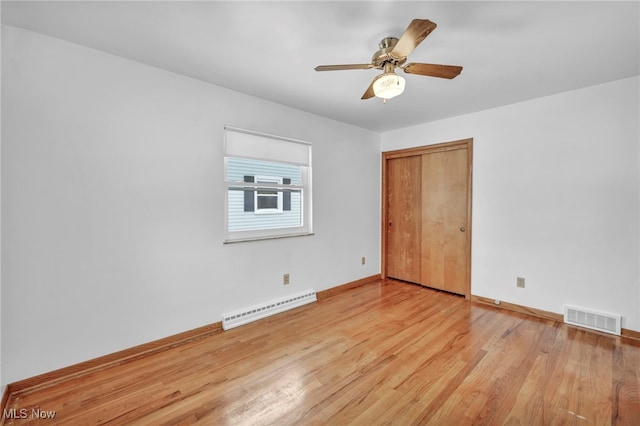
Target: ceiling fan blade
[(369, 92), (417, 31), (433, 70), (343, 67)]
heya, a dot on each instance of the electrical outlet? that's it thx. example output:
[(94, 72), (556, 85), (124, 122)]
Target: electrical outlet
[(364, 260), (285, 279), (520, 282)]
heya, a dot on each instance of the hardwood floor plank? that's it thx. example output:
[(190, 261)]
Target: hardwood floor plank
[(380, 353), (530, 399), (625, 392)]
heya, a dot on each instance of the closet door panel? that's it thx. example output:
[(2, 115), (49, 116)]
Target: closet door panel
[(404, 218), (444, 196)]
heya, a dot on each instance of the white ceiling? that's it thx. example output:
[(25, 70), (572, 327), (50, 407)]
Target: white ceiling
[(510, 51)]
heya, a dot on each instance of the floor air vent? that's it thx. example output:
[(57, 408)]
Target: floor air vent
[(263, 310), (601, 321)]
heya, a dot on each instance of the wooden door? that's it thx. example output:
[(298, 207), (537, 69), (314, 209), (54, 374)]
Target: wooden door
[(427, 216), (404, 221), (444, 220)]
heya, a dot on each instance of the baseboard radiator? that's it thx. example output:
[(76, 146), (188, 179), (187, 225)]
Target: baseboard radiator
[(263, 310), (595, 320)]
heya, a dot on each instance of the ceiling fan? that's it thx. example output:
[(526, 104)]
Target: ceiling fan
[(393, 53)]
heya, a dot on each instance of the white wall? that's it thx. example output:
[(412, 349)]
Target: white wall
[(112, 205), (555, 198)]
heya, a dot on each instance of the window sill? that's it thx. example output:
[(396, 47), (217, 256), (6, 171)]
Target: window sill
[(273, 237)]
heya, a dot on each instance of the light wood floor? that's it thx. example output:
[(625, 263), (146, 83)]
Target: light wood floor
[(383, 353)]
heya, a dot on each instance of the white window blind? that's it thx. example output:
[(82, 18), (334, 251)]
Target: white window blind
[(247, 144)]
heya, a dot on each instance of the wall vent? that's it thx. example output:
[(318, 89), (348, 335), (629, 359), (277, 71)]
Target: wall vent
[(247, 315), (595, 320)]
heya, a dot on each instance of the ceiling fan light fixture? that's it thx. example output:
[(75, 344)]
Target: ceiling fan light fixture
[(388, 85)]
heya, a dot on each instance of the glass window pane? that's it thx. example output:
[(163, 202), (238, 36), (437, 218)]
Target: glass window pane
[(267, 202), (238, 219), (238, 168)]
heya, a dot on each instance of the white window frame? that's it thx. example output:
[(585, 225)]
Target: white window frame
[(241, 143)]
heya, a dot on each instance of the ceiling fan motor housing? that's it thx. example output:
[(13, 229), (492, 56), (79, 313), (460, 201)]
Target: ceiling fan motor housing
[(384, 55)]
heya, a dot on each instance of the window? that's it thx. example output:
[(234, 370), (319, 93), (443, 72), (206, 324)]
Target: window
[(268, 186), (268, 201)]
